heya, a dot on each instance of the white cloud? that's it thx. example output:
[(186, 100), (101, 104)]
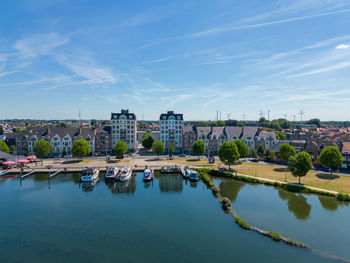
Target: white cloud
[(40, 44), (343, 46), (86, 67)]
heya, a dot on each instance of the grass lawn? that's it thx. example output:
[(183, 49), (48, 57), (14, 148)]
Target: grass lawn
[(317, 179)]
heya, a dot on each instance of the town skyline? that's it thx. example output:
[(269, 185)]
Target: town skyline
[(191, 57)]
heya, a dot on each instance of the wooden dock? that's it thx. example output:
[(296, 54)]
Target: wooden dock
[(54, 174), (27, 175)]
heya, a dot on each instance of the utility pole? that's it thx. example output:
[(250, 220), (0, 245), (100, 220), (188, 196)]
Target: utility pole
[(301, 115), (220, 115), (217, 115), (294, 117), (243, 117)]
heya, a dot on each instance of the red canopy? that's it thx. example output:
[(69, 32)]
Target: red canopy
[(32, 157), (8, 162), (23, 161)]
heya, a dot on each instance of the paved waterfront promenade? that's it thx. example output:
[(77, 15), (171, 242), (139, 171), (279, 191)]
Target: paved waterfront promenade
[(68, 165)]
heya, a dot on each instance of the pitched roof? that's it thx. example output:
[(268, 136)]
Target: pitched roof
[(203, 131), (231, 132), (346, 148), (249, 132)]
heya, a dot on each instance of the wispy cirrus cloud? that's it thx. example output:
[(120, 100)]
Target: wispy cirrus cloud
[(228, 28), (86, 67), (39, 44)]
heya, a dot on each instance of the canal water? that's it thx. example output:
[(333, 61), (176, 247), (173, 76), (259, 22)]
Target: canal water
[(167, 220)]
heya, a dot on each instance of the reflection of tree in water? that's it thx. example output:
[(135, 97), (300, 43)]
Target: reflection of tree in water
[(297, 204), (230, 189), (170, 183), (330, 203)]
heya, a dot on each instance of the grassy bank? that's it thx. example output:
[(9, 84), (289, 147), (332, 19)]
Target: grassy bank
[(289, 187)]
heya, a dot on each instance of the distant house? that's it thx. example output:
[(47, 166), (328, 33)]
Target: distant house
[(249, 135), (267, 139), (346, 155), (315, 147)]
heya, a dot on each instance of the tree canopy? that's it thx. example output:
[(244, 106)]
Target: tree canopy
[(261, 150), (198, 147), (286, 151), (1, 130), (281, 136), (120, 148), (331, 158), (158, 147), (147, 141), (42, 149), (300, 164), (80, 148), (242, 148), (228, 153), (4, 147)]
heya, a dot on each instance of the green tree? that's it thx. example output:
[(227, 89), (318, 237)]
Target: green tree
[(12, 149), (4, 147), (120, 149), (281, 136), (240, 124), (42, 149), (80, 148), (228, 153), (331, 158), (198, 148), (261, 150), (158, 148), (147, 141), (300, 164), (253, 153), (1, 130), (270, 155), (242, 148), (171, 148), (286, 151)]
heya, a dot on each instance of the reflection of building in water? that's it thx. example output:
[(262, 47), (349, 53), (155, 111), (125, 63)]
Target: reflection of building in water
[(170, 183), (193, 184), (127, 187)]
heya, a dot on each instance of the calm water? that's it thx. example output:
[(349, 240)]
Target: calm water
[(168, 220)]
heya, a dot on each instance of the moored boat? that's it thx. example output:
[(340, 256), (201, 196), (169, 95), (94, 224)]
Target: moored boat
[(125, 174), (193, 175), (89, 175), (148, 175), (112, 174)]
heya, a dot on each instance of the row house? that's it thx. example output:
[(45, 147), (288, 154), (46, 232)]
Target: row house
[(171, 130), (188, 138), (61, 139), (124, 128), (346, 155), (103, 140)]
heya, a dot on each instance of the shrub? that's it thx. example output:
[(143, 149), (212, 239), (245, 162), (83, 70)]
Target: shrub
[(343, 197), (242, 223), (275, 236)]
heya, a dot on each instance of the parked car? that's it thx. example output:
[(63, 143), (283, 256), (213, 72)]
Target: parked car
[(255, 160), (182, 155)]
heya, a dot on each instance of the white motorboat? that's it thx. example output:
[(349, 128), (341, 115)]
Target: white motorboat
[(125, 174), (89, 175), (112, 174), (148, 175)]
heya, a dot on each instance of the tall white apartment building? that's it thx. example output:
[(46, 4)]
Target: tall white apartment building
[(171, 130), (124, 127)]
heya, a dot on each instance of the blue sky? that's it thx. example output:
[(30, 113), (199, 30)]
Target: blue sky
[(194, 57)]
